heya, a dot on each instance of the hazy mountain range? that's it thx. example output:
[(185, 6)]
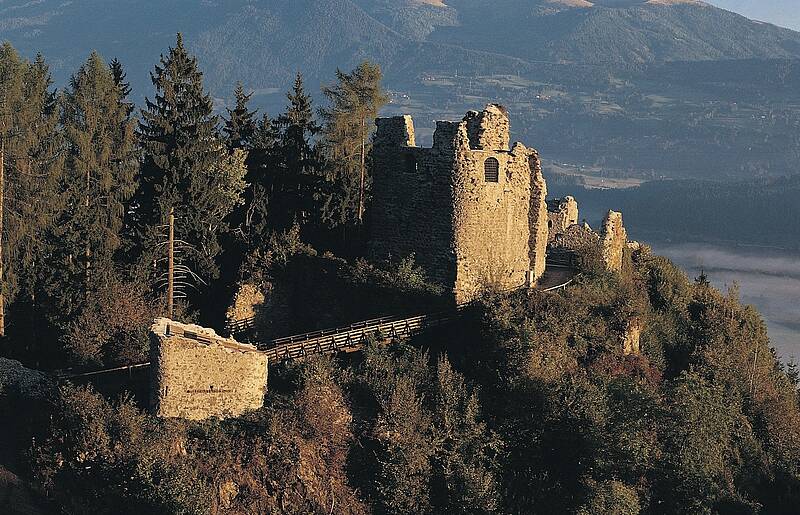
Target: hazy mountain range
[(265, 42), (615, 86)]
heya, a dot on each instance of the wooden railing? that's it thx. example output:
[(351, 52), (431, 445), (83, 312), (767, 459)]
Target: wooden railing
[(355, 336)]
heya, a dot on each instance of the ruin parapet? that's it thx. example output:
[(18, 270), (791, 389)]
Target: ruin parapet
[(562, 213)]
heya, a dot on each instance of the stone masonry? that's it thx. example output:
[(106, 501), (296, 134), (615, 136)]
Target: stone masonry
[(197, 374), (562, 213), (613, 240), (471, 208)]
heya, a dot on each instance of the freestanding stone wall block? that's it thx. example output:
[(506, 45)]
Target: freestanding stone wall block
[(197, 374)]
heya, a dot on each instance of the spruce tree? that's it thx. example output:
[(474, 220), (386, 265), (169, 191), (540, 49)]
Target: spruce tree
[(33, 163), (349, 120), (240, 126), (261, 164), (185, 166), (119, 79), (294, 181), (100, 176)]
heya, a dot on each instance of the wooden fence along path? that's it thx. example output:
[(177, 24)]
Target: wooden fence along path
[(355, 336), (341, 339)]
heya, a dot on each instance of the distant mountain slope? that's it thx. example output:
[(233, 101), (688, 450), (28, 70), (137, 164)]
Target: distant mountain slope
[(264, 42), (623, 88), (601, 32)]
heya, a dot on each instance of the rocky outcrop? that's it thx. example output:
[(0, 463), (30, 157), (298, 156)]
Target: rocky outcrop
[(613, 241), (197, 374), (631, 338)]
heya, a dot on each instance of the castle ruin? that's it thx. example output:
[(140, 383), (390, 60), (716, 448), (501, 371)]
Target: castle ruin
[(562, 213), (613, 241), (471, 208), (196, 374)]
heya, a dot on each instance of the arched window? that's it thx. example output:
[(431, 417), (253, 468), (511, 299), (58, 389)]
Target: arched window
[(491, 170)]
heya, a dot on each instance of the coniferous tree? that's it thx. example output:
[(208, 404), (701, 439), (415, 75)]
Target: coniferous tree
[(99, 181), (293, 183), (33, 160), (261, 164), (124, 87), (240, 126), (185, 166), (349, 120)]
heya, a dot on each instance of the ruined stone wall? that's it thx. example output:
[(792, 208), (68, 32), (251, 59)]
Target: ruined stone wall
[(489, 129), (197, 374), (613, 241), (537, 220), (412, 210), (491, 221), (561, 213), (465, 231)]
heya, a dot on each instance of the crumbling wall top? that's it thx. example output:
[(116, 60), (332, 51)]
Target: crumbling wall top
[(395, 131), (489, 129)]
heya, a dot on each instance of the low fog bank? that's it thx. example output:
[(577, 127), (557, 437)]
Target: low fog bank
[(768, 279)]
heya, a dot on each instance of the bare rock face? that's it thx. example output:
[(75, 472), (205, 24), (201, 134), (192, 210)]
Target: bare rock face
[(613, 241), (562, 213), (471, 210), (245, 305), (197, 374), (260, 310), (631, 338)]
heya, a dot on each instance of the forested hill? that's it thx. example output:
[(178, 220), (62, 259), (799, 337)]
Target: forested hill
[(264, 43)]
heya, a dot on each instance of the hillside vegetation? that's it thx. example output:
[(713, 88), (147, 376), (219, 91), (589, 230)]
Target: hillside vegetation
[(526, 406)]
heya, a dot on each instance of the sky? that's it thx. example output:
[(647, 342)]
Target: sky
[(785, 13)]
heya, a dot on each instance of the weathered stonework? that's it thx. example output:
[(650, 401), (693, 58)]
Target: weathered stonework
[(467, 229), (613, 241), (197, 374), (562, 213), (571, 241), (246, 305)]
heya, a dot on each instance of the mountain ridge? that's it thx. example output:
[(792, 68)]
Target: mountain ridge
[(265, 42)]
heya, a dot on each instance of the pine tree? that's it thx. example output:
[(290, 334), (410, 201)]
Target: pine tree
[(293, 183), (100, 176), (185, 166), (354, 103), (240, 126)]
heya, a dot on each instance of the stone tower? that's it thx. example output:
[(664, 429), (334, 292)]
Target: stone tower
[(470, 208)]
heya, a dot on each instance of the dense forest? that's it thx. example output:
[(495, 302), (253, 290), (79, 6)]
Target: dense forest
[(527, 405)]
